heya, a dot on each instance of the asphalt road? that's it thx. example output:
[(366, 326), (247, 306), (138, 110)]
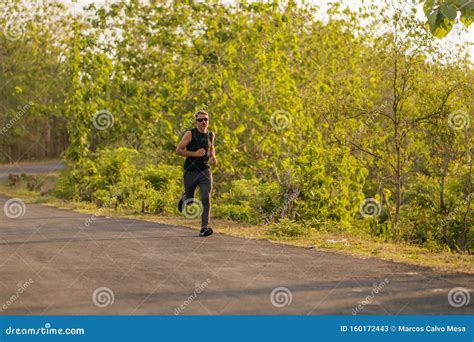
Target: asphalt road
[(55, 261), (29, 168)]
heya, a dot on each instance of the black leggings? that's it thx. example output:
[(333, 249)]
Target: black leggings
[(203, 179)]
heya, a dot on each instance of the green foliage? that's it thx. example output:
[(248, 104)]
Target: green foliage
[(427, 221), (248, 200), (289, 229), (237, 212), (441, 14), (33, 81), (166, 181), (379, 228), (330, 184)]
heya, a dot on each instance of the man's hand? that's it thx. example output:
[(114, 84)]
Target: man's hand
[(199, 153), (214, 160)]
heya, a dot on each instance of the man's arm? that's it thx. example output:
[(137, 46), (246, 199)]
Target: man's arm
[(181, 149)]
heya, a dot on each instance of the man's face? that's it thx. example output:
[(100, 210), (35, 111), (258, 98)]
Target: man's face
[(202, 121)]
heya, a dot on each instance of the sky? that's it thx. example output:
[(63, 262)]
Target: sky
[(456, 35)]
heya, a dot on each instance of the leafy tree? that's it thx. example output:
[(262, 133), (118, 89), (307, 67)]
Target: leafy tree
[(442, 14)]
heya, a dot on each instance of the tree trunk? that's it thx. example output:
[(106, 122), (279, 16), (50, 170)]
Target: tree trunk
[(47, 139), (463, 242), (442, 204)]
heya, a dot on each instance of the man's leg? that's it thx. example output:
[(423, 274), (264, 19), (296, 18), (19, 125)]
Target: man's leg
[(191, 179), (205, 187), (181, 202)]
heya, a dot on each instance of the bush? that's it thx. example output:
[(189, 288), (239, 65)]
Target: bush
[(65, 188), (166, 183), (422, 220), (288, 228), (114, 167), (330, 184), (74, 182), (163, 177), (248, 200), (236, 212)]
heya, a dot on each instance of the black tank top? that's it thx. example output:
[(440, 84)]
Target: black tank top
[(198, 140)]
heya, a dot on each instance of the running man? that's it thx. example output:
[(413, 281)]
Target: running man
[(197, 145)]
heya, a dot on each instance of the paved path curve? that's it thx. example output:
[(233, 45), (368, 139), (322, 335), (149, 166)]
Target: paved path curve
[(158, 269), (30, 168)]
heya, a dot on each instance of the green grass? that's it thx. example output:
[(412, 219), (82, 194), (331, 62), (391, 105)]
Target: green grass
[(341, 242)]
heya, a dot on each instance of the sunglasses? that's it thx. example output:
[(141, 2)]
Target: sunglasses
[(202, 119)]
